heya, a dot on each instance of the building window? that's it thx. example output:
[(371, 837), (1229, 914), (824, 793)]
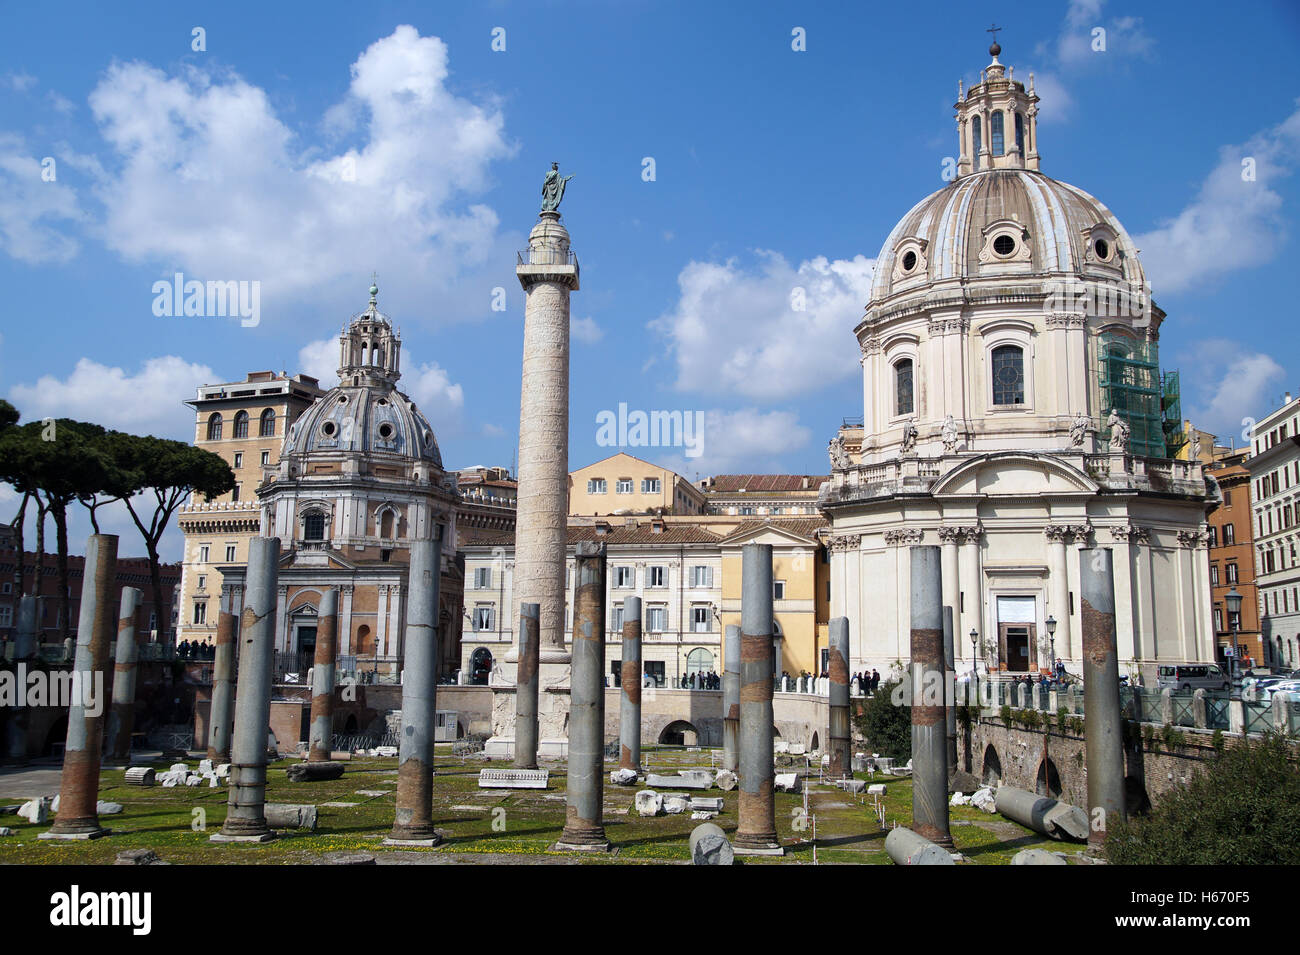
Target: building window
[(482, 578), (6, 615), (656, 619), (1214, 536), (747, 509), (200, 612), (1218, 620), (623, 576), (314, 527), (1020, 134), (654, 671), (623, 486), (700, 619), (658, 577), (650, 486), (977, 142), (214, 427), (203, 581), (234, 493), (596, 486), (266, 428), (1008, 375), (778, 590), (241, 424), (995, 132), (616, 618), (903, 387), (239, 459), (483, 618), (266, 458), (1214, 575), (701, 576), (1229, 535), (1231, 571), (230, 553), (203, 553)]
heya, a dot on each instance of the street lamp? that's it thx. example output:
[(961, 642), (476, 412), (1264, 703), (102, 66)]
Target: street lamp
[(1051, 638), (974, 666), (1233, 600)]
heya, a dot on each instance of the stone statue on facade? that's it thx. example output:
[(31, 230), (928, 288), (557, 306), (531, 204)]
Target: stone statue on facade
[(1196, 447), (839, 454), (553, 188), (1079, 430), (1119, 431), (949, 435), (909, 435)]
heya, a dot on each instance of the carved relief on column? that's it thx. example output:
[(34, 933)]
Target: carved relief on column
[(1130, 534), (968, 533), (869, 347), (1057, 533), (898, 536), (949, 534), (1079, 532), (1193, 539)]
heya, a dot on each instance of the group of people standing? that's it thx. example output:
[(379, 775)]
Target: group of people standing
[(866, 681)]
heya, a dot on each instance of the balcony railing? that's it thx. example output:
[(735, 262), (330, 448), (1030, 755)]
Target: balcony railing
[(548, 257)]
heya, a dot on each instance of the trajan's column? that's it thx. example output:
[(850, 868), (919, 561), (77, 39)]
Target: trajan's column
[(548, 272)]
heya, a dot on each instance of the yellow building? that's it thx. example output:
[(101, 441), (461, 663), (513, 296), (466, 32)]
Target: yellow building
[(243, 422), (622, 484)]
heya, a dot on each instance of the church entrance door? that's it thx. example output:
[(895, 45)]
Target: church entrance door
[(1016, 639)]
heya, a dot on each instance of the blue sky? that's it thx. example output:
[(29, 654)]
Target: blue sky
[(309, 145)]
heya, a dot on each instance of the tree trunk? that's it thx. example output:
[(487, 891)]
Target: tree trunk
[(19, 587), (61, 539), (38, 572), (155, 581)]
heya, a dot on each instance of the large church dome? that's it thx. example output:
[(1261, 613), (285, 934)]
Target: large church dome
[(365, 413), (1005, 223)]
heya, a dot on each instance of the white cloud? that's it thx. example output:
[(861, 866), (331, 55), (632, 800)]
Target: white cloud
[(428, 385), (586, 330), (742, 441), (207, 178), (1238, 384), (147, 402), (1232, 223), (741, 332), (30, 206), (19, 82)]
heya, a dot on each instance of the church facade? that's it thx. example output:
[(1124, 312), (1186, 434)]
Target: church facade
[(1013, 413), (359, 477)]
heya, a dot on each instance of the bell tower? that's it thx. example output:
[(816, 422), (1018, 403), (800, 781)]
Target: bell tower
[(997, 120)]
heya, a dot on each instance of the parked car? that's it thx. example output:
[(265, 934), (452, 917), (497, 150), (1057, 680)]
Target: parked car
[(1192, 676), (1265, 694)]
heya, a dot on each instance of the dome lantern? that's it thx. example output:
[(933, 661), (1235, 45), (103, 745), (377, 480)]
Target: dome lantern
[(997, 121), (369, 348)]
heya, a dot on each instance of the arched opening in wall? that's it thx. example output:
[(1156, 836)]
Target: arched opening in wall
[(991, 773), (365, 642), (1048, 781), (241, 424), (776, 733), (386, 525), (266, 427), (214, 427), (350, 727), (699, 661), (815, 743), (480, 666), (1136, 800), (679, 733)]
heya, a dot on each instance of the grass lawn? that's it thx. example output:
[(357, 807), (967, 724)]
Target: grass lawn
[(502, 826)]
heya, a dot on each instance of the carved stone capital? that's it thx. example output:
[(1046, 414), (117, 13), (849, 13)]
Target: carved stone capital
[(845, 542), (950, 534), (898, 536), (1057, 533)]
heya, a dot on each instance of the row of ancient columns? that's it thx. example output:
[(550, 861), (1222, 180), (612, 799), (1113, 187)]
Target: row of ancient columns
[(930, 691)]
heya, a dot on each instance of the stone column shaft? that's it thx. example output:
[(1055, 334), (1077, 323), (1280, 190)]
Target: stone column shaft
[(629, 750), (583, 821), (321, 739), (1104, 745), (950, 687), (731, 699), (121, 721), (841, 741), (78, 817), (246, 814), (526, 680), (24, 649), (413, 820), (929, 710), (223, 671), (756, 829)]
